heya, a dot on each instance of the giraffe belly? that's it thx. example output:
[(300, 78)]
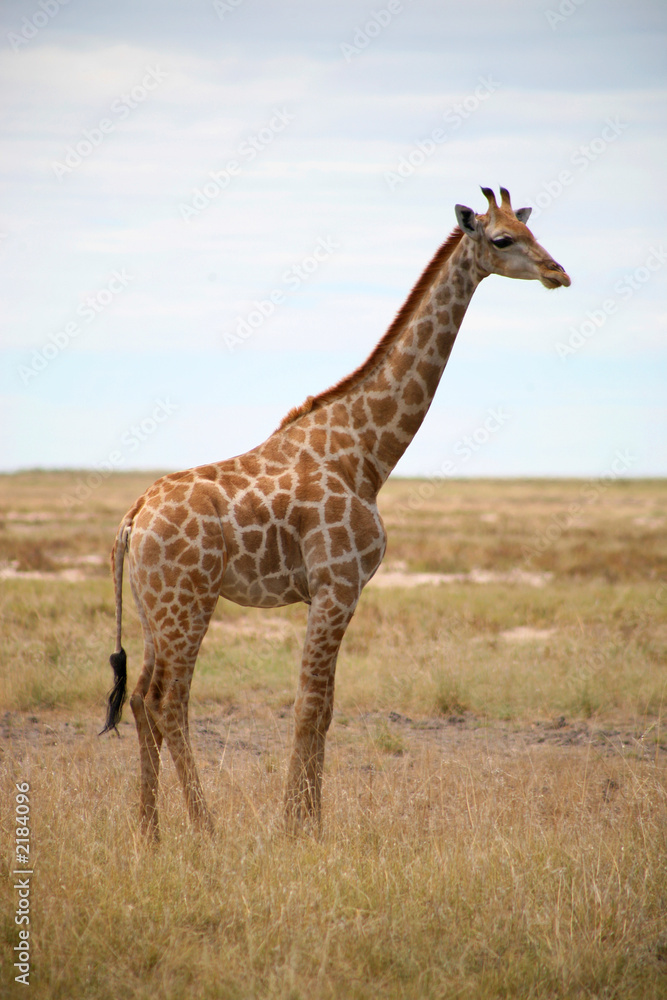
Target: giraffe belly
[(264, 566), (274, 591)]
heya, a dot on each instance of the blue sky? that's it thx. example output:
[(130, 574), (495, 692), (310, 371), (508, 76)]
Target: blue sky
[(212, 210)]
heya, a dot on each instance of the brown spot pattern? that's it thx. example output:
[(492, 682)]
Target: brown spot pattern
[(294, 519)]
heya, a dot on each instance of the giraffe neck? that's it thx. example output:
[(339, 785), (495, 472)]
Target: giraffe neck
[(388, 405)]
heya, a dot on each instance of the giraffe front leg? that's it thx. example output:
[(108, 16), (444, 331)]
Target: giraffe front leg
[(303, 797), (313, 710)]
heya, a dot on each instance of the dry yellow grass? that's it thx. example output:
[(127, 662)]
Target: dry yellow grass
[(496, 778), (471, 866)]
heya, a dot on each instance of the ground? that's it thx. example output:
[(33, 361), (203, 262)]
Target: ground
[(495, 797)]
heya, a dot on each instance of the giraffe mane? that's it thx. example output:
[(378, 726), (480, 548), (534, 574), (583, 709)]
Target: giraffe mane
[(381, 349)]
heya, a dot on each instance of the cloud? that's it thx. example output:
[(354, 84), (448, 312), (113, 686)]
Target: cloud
[(323, 176)]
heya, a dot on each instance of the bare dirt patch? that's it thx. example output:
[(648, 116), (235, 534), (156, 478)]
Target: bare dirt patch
[(396, 575), (71, 574), (525, 633), (221, 734), (266, 627)]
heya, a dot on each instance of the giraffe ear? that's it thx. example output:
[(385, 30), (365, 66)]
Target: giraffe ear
[(523, 214), (466, 220)]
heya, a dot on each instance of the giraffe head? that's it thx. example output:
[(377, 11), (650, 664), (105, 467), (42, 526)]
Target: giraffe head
[(504, 244)]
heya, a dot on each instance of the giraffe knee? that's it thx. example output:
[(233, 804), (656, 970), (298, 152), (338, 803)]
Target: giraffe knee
[(136, 704), (168, 708), (144, 713), (313, 715)]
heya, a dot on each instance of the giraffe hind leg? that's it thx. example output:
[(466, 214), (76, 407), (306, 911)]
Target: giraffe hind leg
[(177, 735), (160, 706), (150, 743), (167, 702)]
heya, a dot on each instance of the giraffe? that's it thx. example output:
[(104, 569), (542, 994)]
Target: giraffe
[(296, 519)]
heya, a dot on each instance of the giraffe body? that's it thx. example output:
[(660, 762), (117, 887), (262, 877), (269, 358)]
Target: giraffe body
[(296, 518)]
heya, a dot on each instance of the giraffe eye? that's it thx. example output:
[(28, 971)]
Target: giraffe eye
[(502, 242)]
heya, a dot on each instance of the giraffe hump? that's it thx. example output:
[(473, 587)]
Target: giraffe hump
[(297, 411)]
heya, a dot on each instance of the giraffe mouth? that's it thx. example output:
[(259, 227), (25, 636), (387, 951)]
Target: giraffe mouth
[(554, 276)]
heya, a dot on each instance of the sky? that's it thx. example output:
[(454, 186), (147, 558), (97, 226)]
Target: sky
[(211, 210)]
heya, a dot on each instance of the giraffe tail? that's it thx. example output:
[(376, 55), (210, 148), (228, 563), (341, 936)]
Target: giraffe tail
[(118, 659)]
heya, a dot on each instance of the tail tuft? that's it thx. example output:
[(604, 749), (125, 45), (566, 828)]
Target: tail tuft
[(118, 663)]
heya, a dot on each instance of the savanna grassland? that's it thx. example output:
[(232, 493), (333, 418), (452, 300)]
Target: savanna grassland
[(495, 798)]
